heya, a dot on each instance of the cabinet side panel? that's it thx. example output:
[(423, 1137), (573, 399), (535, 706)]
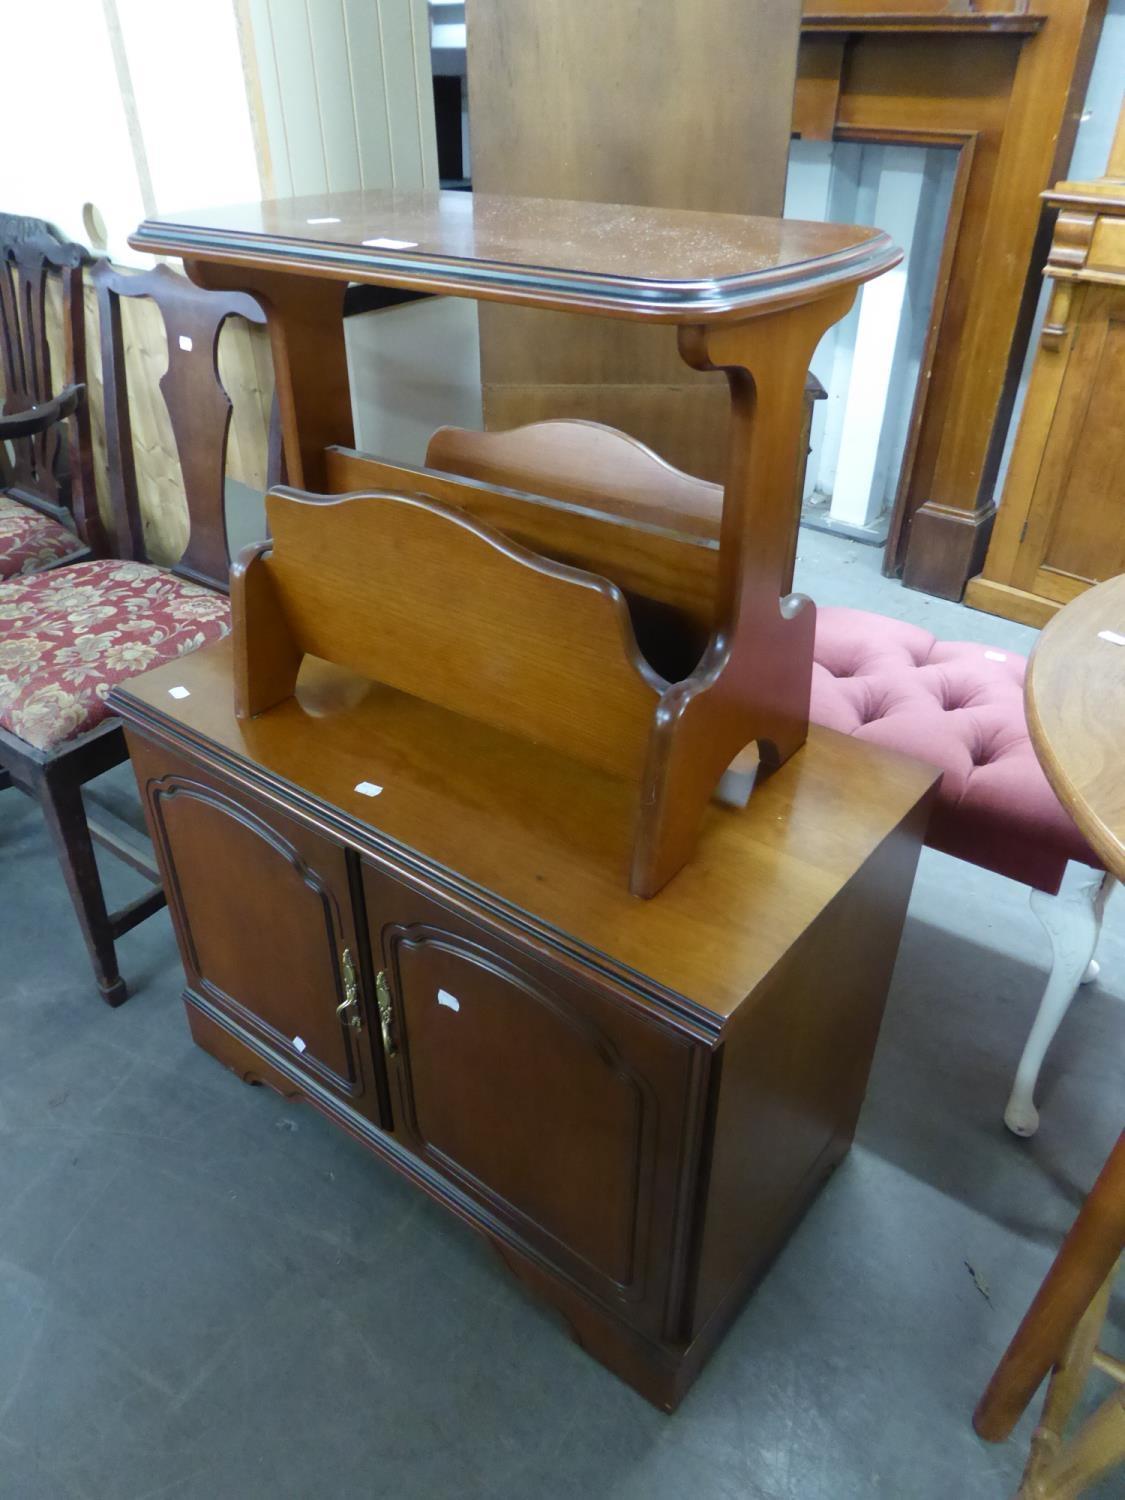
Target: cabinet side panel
[(1087, 533), (794, 1073)]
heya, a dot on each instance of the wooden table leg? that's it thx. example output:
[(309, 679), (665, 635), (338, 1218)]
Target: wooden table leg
[(1082, 1266), (755, 679)]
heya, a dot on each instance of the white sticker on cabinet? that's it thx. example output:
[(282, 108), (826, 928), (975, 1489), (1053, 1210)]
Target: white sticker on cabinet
[(299, 1043), (445, 998), (368, 788)]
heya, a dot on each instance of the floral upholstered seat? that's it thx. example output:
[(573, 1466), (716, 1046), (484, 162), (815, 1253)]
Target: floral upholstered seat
[(29, 540), (66, 637)]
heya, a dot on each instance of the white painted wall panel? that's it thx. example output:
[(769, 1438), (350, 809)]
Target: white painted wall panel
[(190, 97), (82, 151), (369, 96), (273, 106), (347, 93), (290, 41), (331, 67)]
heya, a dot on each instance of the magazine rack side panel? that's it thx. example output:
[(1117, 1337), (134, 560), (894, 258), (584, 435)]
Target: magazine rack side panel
[(414, 594)]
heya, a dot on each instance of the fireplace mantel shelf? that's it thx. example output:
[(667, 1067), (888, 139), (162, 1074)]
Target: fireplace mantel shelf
[(978, 22)]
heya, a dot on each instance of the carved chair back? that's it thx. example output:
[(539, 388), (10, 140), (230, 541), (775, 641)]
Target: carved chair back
[(199, 411), (50, 470)]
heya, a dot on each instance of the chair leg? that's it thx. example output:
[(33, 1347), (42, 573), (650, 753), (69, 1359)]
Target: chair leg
[(1073, 923), (1047, 1334), (65, 814)]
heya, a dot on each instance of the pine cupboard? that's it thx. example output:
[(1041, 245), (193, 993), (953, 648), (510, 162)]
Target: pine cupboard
[(1061, 524)]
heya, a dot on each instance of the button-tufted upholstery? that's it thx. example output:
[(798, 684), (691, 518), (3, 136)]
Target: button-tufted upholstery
[(957, 705)]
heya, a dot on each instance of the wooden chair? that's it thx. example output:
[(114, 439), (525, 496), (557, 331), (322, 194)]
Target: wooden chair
[(67, 636), (1059, 1337), (48, 507)]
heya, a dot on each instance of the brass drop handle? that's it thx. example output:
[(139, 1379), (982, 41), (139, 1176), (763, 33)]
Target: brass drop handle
[(348, 1008), (386, 1012)]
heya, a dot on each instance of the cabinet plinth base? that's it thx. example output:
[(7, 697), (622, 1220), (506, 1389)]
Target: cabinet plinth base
[(662, 1372)]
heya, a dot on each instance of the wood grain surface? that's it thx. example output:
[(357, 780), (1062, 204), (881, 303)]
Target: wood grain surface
[(1076, 715)]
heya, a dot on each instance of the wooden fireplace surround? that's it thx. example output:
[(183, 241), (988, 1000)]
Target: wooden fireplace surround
[(1003, 84)]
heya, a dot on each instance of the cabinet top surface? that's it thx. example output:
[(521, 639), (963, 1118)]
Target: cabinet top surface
[(540, 839), (674, 265)]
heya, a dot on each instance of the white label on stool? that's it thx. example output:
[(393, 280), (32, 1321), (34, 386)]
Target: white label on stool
[(367, 788), (185, 343), (1112, 637), (299, 1044), (996, 656), (179, 692), (383, 244), (445, 998)]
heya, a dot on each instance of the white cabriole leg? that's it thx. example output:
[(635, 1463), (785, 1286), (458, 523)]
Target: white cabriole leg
[(1073, 922)]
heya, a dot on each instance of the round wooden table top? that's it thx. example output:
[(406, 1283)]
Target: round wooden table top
[(1075, 698)]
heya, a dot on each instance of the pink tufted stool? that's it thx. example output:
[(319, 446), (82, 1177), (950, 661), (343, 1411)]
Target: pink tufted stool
[(959, 706)]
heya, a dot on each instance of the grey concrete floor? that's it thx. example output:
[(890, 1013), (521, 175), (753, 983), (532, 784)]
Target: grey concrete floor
[(205, 1291)]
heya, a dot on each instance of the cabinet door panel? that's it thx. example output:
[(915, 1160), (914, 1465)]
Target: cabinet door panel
[(518, 1092), (559, 1110), (262, 912)]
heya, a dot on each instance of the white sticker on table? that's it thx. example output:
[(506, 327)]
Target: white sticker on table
[(385, 244), (1112, 637), (179, 692), (368, 788), (448, 1000)]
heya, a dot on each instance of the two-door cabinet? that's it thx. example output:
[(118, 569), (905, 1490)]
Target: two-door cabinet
[(634, 1100)]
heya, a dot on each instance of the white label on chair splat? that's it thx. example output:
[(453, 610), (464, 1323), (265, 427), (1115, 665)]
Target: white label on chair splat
[(299, 1043), (996, 655), (186, 343), (368, 788), (179, 692), (385, 244), (448, 1000), (1112, 637)]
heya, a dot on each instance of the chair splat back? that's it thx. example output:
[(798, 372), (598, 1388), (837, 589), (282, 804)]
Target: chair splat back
[(199, 410), (46, 472)]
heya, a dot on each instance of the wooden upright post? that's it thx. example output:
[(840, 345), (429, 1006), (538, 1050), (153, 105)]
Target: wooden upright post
[(648, 102)]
